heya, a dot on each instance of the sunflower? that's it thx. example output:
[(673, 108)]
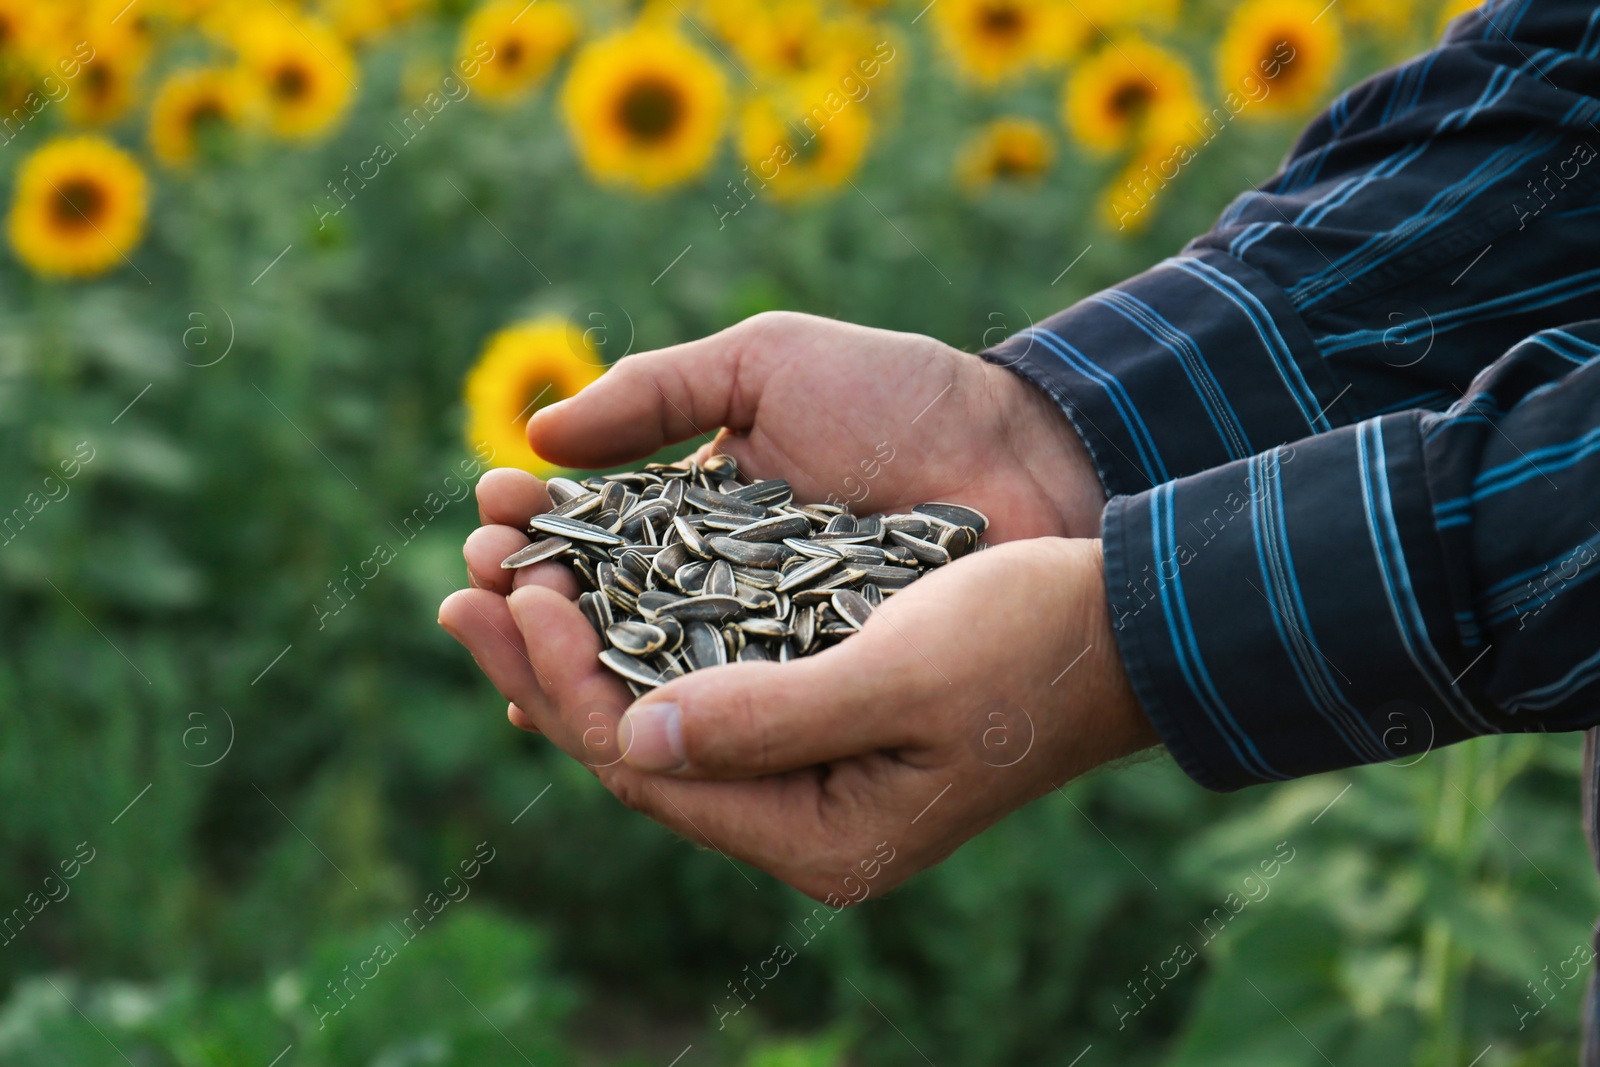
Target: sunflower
[(796, 150), (1388, 19), (992, 40), (300, 70), (1128, 203), (79, 207), (1454, 9), (522, 369), (644, 107), (191, 106), (1007, 149), (19, 28), (1122, 91), (1291, 45), (107, 86), (517, 43), (355, 21), (793, 40)]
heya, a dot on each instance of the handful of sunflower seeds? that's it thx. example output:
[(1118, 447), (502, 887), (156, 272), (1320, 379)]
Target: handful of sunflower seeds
[(691, 567)]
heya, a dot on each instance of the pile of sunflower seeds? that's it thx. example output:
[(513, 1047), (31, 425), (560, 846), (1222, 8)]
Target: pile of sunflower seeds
[(691, 567)]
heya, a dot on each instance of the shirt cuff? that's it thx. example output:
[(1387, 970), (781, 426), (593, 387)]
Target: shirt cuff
[(1289, 613), (1198, 361)]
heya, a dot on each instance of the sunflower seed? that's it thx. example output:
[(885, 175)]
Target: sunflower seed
[(574, 530), (701, 608), (804, 573), (852, 607), (777, 528), (749, 553), (703, 643), (955, 515), (577, 508), (536, 553), (925, 551), (634, 670), (637, 638), (563, 490), (719, 580), (691, 537), (765, 628)]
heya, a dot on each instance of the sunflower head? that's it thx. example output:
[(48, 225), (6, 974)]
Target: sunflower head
[(524, 368), (804, 143), (795, 40), (1128, 202), (191, 110), (516, 44), (644, 108), (20, 28), (79, 207), (1291, 46), (1122, 91), (993, 40), (360, 22), (107, 86), (1006, 150), (301, 73)]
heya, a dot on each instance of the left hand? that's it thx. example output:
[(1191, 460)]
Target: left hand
[(967, 694)]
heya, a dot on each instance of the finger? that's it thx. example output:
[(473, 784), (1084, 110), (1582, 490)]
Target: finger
[(484, 549), (554, 576), (586, 699), (751, 719), (482, 622), (521, 719), (510, 497), (655, 398)]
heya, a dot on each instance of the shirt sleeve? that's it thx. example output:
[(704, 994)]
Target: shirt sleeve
[(1433, 216), (1379, 590)]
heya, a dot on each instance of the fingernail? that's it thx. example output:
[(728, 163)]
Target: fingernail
[(651, 736)]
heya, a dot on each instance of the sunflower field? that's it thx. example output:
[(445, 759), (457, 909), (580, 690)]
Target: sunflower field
[(282, 277)]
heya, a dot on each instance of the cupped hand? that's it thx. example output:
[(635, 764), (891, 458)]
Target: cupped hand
[(967, 694)]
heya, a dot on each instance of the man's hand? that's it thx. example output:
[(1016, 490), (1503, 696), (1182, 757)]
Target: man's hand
[(872, 418), (969, 693), (882, 421)]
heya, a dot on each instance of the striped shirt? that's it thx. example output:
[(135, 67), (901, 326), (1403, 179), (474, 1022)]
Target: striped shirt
[(1350, 437)]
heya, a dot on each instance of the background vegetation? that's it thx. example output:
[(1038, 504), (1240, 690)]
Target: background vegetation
[(252, 791)]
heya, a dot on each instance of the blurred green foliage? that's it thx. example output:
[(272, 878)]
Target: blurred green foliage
[(268, 799)]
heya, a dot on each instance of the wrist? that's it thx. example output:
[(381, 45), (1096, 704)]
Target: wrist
[(1099, 716), (1047, 445)]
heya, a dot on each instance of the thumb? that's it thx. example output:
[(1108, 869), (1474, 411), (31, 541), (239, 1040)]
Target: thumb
[(750, 719), (653, 399)]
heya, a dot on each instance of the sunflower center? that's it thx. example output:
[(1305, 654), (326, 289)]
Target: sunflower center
[(1000, 20), (805, 145), (1012, 162), (794, 54), (78, 203), (98, 81), (290, 82), (6, 31), (512, 53), (1129, 101), (538, 393), (1287, 69), (204, 116), (651, 109)]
